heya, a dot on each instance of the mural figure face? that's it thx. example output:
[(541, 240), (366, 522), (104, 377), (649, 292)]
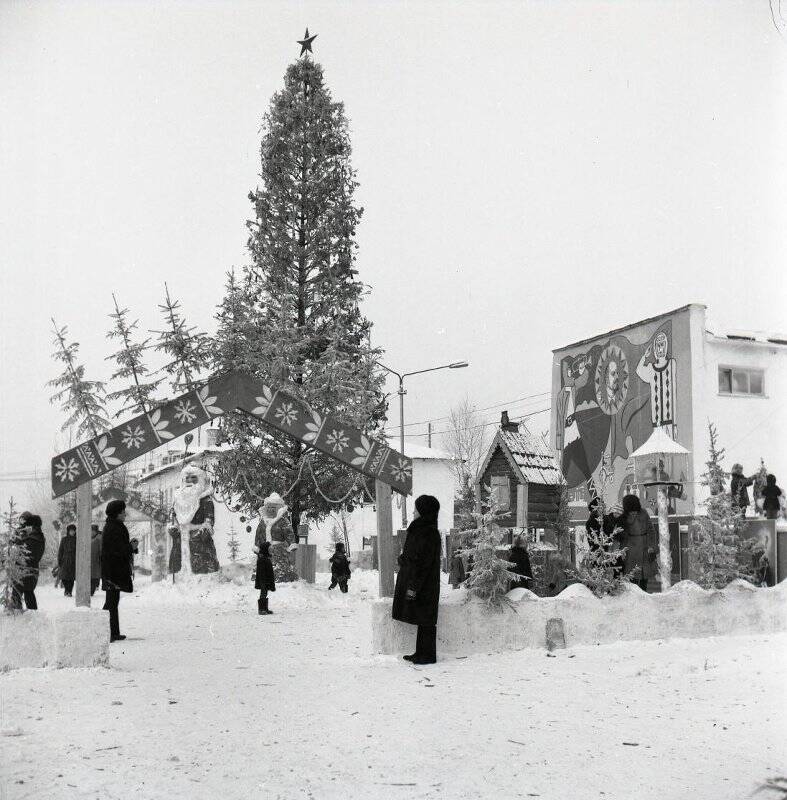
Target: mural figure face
[(612, 377), (660, 346)]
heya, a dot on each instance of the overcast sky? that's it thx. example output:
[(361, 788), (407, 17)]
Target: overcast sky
[(532, 174)]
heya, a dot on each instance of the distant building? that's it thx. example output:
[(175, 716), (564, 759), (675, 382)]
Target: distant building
[(523, 476), (611, 390)]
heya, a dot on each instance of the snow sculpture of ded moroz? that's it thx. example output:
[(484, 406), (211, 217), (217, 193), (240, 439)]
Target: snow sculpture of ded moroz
[(275, 526), (193, 550)]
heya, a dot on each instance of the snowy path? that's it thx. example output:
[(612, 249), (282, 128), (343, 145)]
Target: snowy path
[(208, 700)]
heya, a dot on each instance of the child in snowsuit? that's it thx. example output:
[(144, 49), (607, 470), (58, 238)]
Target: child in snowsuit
[(770, 498), (264, 580), (340, 568)]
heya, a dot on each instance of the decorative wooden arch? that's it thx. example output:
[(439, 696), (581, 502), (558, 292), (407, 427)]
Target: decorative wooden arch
[(75, 469)]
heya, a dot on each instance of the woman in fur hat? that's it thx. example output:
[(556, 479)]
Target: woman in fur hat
[(264, 580), (417, 592), (116, 563)]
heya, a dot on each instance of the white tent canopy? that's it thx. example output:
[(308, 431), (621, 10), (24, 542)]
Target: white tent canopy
[(659, 442)]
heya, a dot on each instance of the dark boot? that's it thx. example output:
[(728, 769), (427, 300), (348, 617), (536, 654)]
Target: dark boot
[(426, 645), (265, 609), (260, 606)]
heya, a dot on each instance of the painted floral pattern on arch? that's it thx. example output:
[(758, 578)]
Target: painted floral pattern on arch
[(287, 414), (337, 440), (67, 471), (401, 470), (185, 412), (133, 437)]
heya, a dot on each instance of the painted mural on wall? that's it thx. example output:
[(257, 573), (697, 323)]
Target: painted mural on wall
[(612, 396)]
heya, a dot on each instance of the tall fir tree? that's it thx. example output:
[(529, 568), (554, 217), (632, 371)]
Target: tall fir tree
[(293, 318), (13, 560), (137, 397), (187, 348), (716, 552), (82, 400)]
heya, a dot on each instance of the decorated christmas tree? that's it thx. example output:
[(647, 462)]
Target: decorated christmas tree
[(13, 559), (490, 575), (293, 317), (716, 542), (82, 400), (136, 397)]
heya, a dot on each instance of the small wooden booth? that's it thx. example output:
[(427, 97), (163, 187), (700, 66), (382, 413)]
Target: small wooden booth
[(524, 477)]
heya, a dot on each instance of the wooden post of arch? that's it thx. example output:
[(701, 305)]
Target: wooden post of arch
[(84, 518), (384, 538)]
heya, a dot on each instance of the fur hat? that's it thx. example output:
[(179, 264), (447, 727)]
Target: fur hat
[(34, 520), (339, 547), (631, 503), (115, 507), (737, 469), (427, 507)]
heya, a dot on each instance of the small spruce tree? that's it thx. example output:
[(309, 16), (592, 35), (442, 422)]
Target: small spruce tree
[(490, 576), (715, 547), (13, 560), (233, 544), (187, 348), (82, 400), (136, 398)]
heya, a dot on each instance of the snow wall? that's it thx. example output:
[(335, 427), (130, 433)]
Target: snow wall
[(74, 638), (685, 611)]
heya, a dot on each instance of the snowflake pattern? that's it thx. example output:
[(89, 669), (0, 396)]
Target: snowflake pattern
[(313, 428), (337, 441), (67, 471), (286, 413), (185, 412), (133, 437), (402, 470)]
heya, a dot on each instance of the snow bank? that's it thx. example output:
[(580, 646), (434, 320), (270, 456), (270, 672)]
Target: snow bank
[(684, 611), (74, 638)]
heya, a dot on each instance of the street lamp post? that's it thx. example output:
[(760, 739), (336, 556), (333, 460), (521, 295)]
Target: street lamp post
[(402, 392)]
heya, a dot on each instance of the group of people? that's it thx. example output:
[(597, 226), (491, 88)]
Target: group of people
[(627, 525), (770, 494), (111, 561)]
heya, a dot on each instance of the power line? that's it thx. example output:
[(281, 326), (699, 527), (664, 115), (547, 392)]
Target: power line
[(475, 410), (482, 425)]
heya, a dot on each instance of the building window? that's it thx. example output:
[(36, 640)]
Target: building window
[(501, 491), (739, 380)]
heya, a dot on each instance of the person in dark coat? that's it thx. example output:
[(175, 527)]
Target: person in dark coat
[(739, 491), (31, 537), (518, 556), (116, 556), (639, 538), (340, 568), (264, 580), (95, 558), (67, 559), (770, 498), (417, 593)]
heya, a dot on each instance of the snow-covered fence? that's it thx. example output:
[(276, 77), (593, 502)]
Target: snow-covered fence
[(684, 611), (75, 638)]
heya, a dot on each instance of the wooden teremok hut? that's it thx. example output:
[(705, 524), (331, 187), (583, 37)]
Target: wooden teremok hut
[(524, 476)]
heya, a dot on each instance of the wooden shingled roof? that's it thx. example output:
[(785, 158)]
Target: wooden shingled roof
[(529, 456)]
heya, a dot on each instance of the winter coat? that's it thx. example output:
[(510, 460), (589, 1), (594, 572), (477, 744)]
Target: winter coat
[(116, 570), (638, 536), (95, 556), (35, 544), (456, 574), (340, 566), (520, 558), (419, 570), (67, 558), (264, 579), (738, 490), (770, 497)]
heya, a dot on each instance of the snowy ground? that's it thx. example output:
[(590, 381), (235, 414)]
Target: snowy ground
[(207, 700)]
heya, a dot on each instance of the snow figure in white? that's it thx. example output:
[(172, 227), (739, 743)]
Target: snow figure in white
[(194, 513), (275, 526), (657, 368)]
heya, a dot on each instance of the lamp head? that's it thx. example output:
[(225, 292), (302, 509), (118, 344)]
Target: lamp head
[(458, 365)]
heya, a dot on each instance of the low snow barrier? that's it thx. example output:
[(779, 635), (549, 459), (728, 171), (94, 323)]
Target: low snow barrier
[(75, 638), (685, 611)]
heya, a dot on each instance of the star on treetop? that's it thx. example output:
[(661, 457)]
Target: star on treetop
[(306, 42)]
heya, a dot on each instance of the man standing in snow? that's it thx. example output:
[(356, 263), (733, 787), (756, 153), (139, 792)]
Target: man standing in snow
[(193, 551)]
